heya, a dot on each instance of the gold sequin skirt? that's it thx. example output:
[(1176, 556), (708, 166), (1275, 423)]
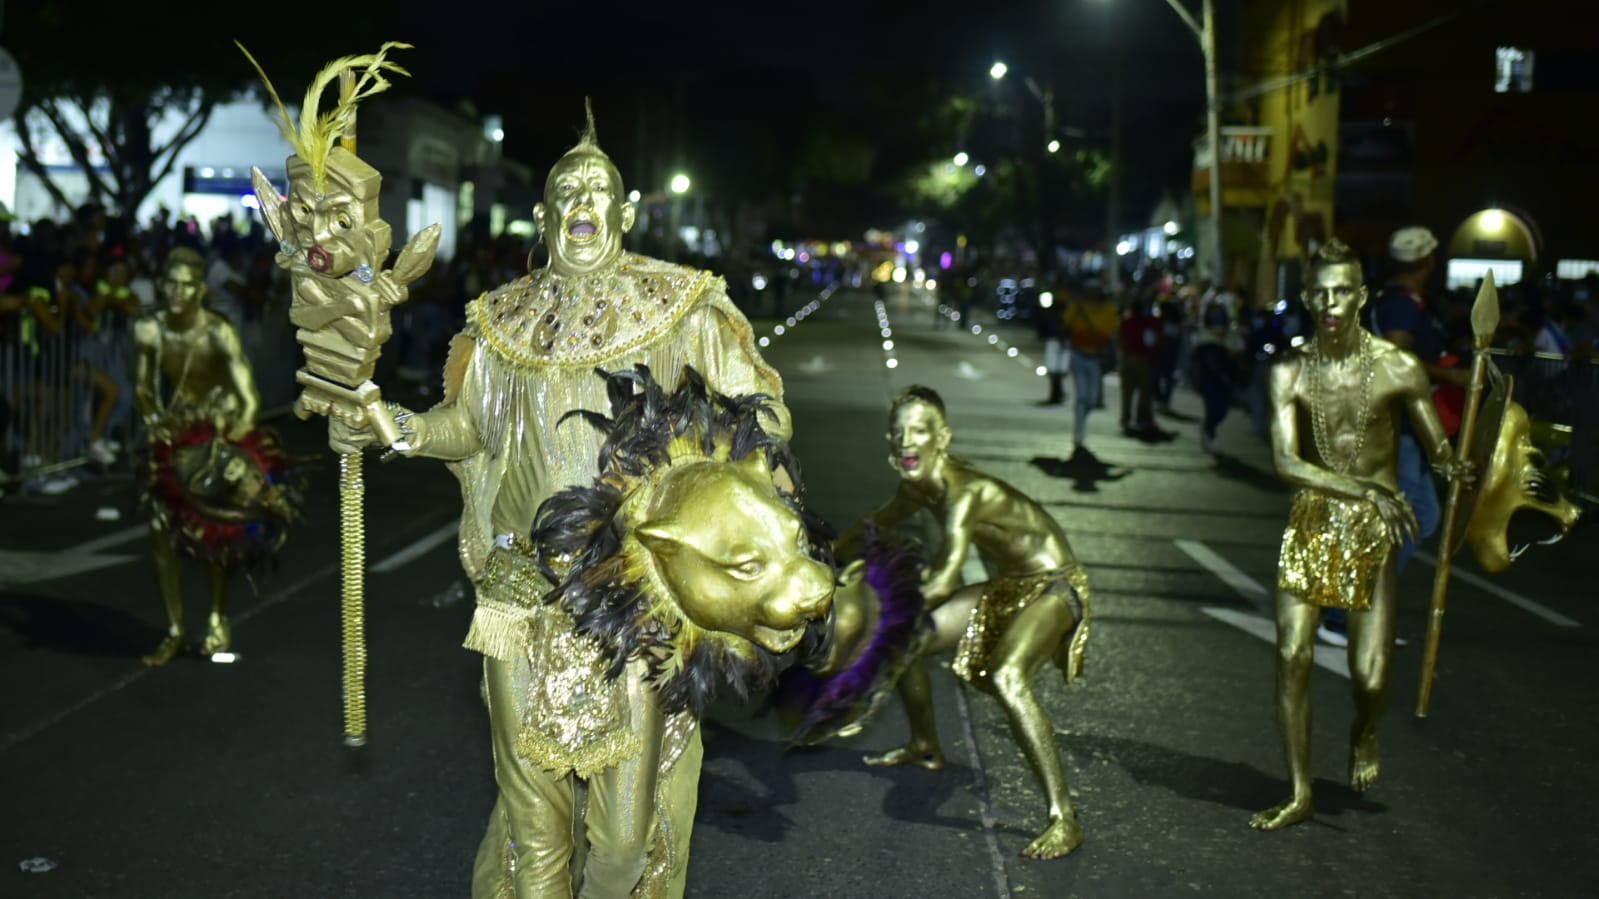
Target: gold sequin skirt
[(1333, 551), (1005, 598)]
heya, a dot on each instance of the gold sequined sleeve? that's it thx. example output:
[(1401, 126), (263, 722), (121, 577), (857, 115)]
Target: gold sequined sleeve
[(447, 431), (731, 363)]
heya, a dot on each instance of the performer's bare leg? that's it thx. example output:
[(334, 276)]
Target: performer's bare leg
[(916, 689), (1029, 642), (218, 635), (169, 580), (1296, 644), (1371, 641)]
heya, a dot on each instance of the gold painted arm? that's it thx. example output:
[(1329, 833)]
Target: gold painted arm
[(144, 367), (241, 382), (847, 546), (945, 577)]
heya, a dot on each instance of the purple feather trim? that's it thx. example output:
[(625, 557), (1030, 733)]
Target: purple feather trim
[(894, 572)]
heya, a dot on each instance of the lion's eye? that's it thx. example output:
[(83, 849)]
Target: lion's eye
[(749, 568)]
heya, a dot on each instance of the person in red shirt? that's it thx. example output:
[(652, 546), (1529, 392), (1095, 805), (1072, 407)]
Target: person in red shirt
[(1140, 338)]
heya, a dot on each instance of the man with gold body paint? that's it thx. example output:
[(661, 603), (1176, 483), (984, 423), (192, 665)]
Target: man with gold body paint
[(218, 488), (1336, 406), (598, 784), (1032, 610)]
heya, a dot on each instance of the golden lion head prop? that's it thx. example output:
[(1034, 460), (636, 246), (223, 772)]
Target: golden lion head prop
[(685, 552)]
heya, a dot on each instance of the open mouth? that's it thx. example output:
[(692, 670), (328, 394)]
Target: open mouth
[(581, 226), (319, 259), (1531, 526), (909, 461), (779, 640)]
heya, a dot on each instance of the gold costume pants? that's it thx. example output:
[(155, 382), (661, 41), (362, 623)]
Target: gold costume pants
[(1332, 551), (626, 834), (1002, 600)]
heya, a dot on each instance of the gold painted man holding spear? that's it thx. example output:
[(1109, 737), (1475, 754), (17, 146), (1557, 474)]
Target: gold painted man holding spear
[(1337, 404)]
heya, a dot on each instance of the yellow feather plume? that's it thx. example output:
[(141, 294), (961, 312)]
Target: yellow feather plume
[(316, 135)]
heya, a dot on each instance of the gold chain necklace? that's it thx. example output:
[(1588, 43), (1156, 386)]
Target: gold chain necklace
[(1318, 414)]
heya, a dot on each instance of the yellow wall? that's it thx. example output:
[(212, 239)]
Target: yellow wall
[(1279, 38)]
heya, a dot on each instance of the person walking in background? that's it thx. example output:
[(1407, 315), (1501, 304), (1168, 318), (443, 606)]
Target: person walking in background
[(1091, 322), (1213, 372), (1050, 323), (1140, 338)]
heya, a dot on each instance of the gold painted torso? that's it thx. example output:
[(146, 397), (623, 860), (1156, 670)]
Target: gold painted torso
[(1009, 530), (194, 368), (1338, 395)]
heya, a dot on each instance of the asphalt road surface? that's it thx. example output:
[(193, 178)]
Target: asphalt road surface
[(229, 780)]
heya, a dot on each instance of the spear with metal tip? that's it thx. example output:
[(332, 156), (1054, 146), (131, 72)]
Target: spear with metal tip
[(1484, 321)]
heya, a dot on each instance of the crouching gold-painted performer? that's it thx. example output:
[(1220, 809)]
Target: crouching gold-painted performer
[(218, 488), (597, 776), (1337, 403), (1033, 610)]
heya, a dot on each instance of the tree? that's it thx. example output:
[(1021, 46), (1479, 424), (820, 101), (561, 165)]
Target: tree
[(125, 87)]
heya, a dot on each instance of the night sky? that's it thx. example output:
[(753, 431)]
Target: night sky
[(716, 69)]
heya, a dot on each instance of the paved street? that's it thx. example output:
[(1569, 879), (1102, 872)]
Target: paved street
[(205, 780)]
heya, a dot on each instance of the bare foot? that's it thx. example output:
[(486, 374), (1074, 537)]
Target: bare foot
[(1279, 816), (1059, 838), (169, 649), (1363, 763), (218, 638), (930, 758)]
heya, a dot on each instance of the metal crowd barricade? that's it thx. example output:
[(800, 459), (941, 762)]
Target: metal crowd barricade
[(48, 400), (1562, 395)]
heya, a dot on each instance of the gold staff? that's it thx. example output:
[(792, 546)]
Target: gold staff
[(333, 243), (1484, 321), (352, 534)]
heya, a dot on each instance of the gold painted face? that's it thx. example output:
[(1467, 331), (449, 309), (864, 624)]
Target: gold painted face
[(1336, 297), (733, 556), (182, 288), (583, 215), (917, 439), (1514, 480)]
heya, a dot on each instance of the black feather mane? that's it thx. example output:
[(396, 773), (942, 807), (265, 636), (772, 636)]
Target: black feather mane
[(579, 535)]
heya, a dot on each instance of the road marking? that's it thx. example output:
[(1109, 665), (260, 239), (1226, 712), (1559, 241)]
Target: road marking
[(1253, 623), (985, 806), (115, 538), (22, 567), (418, 549), (1334, 660), (1515, 599), (272, 599), (1229, 573)]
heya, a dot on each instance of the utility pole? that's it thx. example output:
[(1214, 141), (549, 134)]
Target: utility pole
[(1206, 34), (1114, 201)]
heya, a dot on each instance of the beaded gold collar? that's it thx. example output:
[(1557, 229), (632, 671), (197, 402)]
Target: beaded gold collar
[(547, 319)]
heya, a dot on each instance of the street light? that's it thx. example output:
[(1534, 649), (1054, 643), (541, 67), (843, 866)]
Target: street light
[(997, 70), (961, 158), (679, 184), (1053, 146)]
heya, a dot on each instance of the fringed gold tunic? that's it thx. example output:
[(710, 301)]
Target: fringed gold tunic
[(526, 358)]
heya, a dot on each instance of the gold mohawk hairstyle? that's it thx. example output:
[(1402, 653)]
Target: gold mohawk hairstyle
[(317, 135), (589, 140)]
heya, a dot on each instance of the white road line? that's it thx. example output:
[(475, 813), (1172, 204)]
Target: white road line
[(115, 538), (1334, 660), (985, 806), (1229, 573), (1515, 599), (418, 548)]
